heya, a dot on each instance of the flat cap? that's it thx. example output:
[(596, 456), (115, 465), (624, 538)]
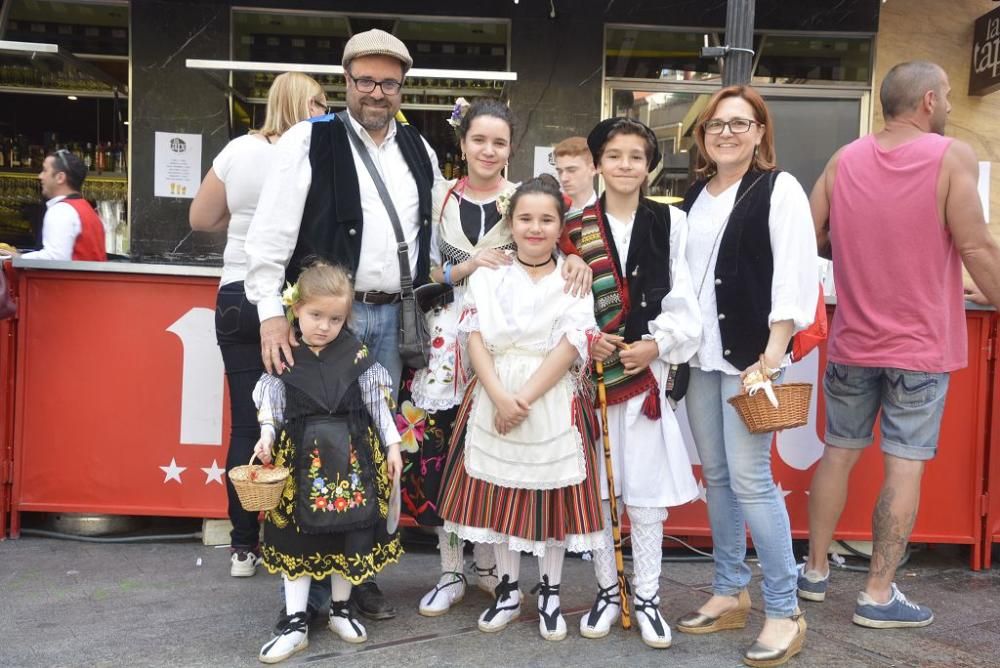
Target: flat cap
[(599, 136), (376, 42)]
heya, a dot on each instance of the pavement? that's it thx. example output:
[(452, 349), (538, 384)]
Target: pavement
[(68, 603)]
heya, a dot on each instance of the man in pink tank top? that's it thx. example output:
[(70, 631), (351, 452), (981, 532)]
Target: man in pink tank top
[(899, 212)]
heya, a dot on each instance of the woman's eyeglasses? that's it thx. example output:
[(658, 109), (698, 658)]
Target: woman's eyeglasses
[(737, 126)]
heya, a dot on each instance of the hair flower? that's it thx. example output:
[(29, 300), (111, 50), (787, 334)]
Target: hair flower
[(503, 202), (289, 298), (457, 112)]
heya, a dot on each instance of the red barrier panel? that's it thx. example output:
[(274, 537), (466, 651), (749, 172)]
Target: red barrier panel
[(951, 506), (8, 339), (120, 396), (120, 408), (991, 501)]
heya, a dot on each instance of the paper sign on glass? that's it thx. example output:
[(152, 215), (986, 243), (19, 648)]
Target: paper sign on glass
[(177, 165)]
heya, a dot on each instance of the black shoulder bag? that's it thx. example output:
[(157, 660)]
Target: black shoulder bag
[(414, 341)]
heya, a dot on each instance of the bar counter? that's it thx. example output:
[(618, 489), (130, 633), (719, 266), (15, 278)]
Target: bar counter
[(119, 390)]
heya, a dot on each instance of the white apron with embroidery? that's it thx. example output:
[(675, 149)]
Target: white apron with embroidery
[(521, 322)]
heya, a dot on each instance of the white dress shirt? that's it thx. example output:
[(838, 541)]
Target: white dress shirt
[(274, 231), (60, 229), (794, 281)]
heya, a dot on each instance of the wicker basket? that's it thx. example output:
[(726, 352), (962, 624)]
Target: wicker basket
[(761, 417), (259, 487)]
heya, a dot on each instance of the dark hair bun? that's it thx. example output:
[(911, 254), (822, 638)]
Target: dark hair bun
[(544, 184)]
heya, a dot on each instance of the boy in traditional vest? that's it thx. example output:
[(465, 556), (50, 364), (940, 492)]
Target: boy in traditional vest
[(646, 308)]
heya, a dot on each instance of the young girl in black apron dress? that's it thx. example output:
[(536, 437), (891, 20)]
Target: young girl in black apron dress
[(328, 411)]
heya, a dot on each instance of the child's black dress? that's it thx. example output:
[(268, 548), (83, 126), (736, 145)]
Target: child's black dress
[(332, 513)]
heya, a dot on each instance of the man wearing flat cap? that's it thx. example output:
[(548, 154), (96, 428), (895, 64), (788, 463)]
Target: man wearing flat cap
[(320, 200)]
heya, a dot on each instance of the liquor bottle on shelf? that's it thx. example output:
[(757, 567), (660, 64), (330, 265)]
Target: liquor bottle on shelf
[(88, 156), (448, 167)]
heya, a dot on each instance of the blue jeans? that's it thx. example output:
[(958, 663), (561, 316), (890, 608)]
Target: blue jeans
[(736, 466), (378, 328), (237, 330)]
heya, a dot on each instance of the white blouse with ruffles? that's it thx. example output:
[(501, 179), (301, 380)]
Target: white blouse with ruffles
[(794, 283)]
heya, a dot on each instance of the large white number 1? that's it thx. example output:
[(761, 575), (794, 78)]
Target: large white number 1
[(202, 380)]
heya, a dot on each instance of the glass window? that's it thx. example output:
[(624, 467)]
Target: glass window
[(807, 131), (804, 59), (641, 53), (647, 53), (81, 28)]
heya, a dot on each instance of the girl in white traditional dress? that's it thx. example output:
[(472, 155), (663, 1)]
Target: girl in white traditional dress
[(468, 235), (521, 470), (648, 314)]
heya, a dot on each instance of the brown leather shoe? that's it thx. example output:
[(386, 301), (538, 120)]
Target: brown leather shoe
[(698, 623), (762, 656)]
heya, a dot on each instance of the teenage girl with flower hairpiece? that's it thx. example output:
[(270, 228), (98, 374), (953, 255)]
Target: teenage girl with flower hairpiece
[(338, 438), (467, 236)]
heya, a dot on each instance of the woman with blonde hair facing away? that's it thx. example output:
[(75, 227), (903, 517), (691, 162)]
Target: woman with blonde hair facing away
[(751, 250), (226, 203)]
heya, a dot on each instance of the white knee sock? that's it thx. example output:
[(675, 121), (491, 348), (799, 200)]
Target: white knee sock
[(451, 548), (508, 563), (647, 549), (484, 555), (604, 558), (340, 588), (550, 564), (296, 593)]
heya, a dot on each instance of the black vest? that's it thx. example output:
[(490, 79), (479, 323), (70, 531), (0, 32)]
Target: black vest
[(743, 271), (332, 220), (647, 267)]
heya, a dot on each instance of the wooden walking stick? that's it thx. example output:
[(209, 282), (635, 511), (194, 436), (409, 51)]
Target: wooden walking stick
[(616, 532)]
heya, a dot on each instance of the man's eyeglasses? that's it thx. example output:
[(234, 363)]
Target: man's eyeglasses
[(367, 85), (737, 126)]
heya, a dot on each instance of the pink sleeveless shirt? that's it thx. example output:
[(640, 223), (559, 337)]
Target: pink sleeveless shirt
[(897, 271)]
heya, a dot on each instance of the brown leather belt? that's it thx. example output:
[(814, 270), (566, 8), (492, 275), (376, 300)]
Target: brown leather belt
[(377, 298)]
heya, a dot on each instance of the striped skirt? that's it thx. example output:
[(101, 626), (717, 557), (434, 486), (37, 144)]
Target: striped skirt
[(528, 520)]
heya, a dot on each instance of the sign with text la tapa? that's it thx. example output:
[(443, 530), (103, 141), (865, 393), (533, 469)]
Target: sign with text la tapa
[(985, 75)]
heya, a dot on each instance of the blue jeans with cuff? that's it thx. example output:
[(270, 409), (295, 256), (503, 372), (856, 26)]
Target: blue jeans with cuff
[(736, 467)]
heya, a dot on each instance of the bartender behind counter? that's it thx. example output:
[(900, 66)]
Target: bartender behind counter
[(71, 230)]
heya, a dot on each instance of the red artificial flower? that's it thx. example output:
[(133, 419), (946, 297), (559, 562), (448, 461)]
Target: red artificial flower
[(438, 341)]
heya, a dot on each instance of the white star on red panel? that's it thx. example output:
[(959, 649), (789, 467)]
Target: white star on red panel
[(213, 473), (172, 471)]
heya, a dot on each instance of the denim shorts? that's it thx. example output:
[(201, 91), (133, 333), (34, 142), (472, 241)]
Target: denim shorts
[(912, 403)]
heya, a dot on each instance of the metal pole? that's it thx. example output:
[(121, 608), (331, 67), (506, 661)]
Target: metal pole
[(739, 35)]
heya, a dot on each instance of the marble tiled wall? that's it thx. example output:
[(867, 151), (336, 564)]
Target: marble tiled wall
[(942, 32), (166, 96)]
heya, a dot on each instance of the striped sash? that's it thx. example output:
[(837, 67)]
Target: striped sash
[(611, 306)]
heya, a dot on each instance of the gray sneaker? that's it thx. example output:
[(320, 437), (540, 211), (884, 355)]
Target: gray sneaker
[(243, 563), (898, 613), (812, 585)]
